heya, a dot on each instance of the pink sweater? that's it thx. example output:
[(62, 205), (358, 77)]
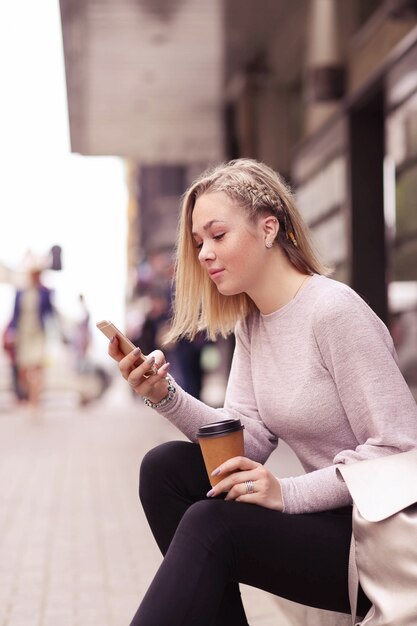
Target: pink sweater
[(320, 373)]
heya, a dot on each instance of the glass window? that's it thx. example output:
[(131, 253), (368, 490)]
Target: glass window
[(406, 204), (401, 142), (324, 191), (402, 79), (330, 238), (405, 261), (402, 298), (402, 131)]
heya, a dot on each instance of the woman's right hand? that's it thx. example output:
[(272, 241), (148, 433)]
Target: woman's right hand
[(155, 386)]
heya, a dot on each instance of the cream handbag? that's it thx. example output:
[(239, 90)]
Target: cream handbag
[(383, 558)]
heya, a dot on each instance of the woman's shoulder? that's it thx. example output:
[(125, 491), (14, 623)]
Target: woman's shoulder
[(332, 296), (337, 305)]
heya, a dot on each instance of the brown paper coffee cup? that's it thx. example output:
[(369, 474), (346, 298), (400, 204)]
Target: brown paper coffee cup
[(219, 442)]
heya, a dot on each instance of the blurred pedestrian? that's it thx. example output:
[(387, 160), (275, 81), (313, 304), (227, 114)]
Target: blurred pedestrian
[(32, 307), (92, 380), (81, 335), (9, 346), (187, 355), (156, 318)]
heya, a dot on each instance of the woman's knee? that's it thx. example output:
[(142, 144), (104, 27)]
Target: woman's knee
[(161, 464), (202, 535), (160, 460), (203, 524)]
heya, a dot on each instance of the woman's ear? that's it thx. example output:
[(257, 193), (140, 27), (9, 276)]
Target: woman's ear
[(270, 227)]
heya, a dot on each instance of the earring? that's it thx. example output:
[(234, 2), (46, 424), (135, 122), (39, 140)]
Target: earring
[(293, 239), (268, 244)]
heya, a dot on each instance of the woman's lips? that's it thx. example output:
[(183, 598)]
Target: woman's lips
[(215, 273)]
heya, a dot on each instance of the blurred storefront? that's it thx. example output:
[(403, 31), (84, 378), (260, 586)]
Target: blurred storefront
[(323, 90), (401, 206), (343, 129), (356, 174)]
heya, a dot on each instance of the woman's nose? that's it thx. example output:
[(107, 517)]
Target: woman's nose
[(206, 253)]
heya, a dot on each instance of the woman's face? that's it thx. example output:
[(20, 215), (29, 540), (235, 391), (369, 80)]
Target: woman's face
[(230, 247)]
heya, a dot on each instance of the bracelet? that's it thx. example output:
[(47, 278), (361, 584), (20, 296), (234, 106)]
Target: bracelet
[(170, 395)]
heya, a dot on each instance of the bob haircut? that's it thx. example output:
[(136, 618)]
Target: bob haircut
[(259, 191)]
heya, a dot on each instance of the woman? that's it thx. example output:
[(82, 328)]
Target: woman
[(312, 365), (32, 307)]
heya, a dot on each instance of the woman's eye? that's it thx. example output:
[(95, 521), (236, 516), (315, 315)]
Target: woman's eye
[(199, 244)]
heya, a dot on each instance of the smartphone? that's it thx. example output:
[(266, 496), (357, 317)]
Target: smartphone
[(125, 345), (110, 330)]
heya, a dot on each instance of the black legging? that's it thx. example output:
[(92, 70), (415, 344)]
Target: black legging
[(211, 545)]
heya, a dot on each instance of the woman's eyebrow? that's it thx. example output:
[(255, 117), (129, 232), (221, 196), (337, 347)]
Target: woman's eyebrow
[(209, 225)]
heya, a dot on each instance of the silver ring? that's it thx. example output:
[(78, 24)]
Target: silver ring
[(250, 487), (150, 372)]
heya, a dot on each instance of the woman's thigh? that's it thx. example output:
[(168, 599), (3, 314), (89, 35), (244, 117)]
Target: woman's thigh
[(303, 558)]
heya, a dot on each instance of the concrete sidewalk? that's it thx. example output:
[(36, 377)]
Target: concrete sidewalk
[(75, 548)]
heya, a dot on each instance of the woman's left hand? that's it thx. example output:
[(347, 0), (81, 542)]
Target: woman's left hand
[(248, 482)]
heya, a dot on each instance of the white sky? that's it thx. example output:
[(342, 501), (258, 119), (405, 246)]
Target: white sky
[(48, 195)]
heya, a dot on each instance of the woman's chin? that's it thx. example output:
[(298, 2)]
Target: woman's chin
[(228, 291)]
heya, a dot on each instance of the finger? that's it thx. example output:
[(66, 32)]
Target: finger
[(245, 488), (159, 357), (234, 464), (114, 350), (163, 370), (154, 360), (159, 360), (145, 383), (229, 482), (135, 374)]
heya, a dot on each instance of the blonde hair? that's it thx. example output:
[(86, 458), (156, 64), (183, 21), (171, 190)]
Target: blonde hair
[(198, 305)]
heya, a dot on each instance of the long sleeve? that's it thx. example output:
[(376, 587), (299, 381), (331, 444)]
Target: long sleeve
[(358, 352)]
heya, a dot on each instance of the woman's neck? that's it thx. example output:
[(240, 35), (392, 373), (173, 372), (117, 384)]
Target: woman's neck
[(280, 283)]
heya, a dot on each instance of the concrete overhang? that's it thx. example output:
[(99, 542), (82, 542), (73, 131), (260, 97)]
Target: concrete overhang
[(146, 79)]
